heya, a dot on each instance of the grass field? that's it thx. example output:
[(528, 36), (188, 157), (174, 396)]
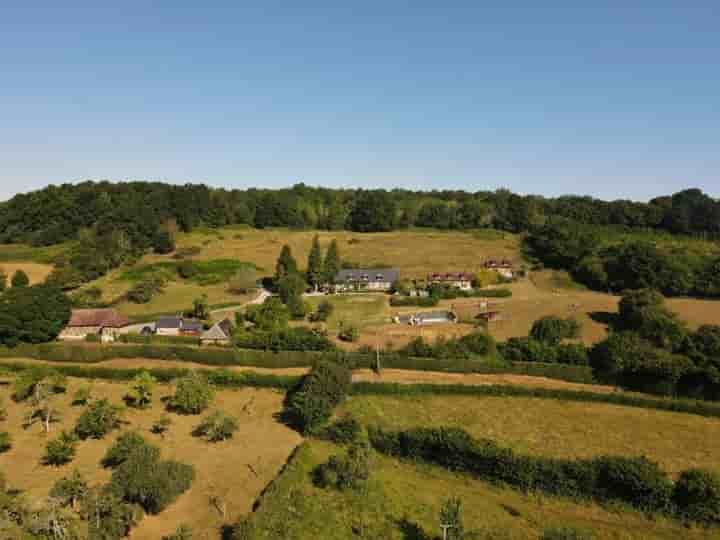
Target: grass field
[(37, 272), (403, 501), (416, 252), (555, 428), (235, 470)]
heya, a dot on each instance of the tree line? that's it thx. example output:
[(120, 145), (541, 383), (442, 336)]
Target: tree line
[(139, 210)]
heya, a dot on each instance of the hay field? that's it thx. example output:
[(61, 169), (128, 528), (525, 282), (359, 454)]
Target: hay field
[(416, 252), (37, 272), (555, 428), (403, 502), (235, 470)]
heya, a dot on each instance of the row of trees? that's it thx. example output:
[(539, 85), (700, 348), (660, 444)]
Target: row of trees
[(140, 209)]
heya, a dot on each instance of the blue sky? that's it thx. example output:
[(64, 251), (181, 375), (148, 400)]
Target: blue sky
[(615, 100)]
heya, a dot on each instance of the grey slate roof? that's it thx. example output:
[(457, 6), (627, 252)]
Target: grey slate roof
[(218, 331), (169, 322), (366, 275)]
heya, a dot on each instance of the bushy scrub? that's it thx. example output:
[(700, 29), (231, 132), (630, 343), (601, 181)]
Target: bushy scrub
[(70, 490), (552, 330), (216, 427), (347, 471), (141, 390), (5, 442), (697, 496), (311, 404), (192, 395), (342, 431), (61, 450), (97, 420), (124, 446)]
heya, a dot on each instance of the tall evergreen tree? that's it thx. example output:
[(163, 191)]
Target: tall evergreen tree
[(286, 263), (315, 264), (20, 279), (3, 279), (332, 262)]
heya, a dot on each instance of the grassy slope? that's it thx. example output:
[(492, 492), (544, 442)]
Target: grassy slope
[(403, 502), (556, 428), (254, 455)]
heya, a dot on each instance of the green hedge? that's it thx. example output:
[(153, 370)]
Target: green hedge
[(216, 356), (700, 408), (635, 481), (159, 340)]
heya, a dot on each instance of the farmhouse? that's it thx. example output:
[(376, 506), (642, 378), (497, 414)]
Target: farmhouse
[(502, 267), (371, 279), (459, 280), (105, 323), (219, 334), (178, 326)]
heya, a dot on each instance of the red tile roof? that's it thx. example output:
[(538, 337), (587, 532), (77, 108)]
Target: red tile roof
[(106, 318)]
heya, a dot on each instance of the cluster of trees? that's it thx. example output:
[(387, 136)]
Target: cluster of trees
[(32, 314), (547, 343), (649, 349), (141, 209), (625, 264), (476, 344), (312, 402)]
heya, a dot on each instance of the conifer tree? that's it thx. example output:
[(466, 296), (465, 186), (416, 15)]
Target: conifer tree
[(332, 262), (315, 272), (286, 263)]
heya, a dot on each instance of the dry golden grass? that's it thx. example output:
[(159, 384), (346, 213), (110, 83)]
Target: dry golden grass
[(37, 272), (415, 252), (235, 470), (556, 428)]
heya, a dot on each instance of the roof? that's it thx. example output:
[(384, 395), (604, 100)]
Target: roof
[(221, 330), (106, 318), (169, 322), (192, 326), (368, 274), (450, 276), (426, 315)]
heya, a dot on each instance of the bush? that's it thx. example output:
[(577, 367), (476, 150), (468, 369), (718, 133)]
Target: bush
[(323, 313), (124, 446), (187, 269), (161, 425), (697, 496), (216, 427), (141, 390), (192, 395), (552, 330), (143, 292), (20, 279), (636, 481), (108, 516), (26, 383), (349, 471), (97, 420), (349, 333), (61, 450), (343, 431), (320, 391), (153, 484), (70, 490), (82, 395), (5, 442), (284, 339)]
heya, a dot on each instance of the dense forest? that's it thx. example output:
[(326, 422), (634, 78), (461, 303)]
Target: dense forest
[(57, 213)]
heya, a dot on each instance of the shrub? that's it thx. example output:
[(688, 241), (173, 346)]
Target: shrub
[(349, 471), (141, 390), (20, 279), (143, 292), (349, 333), (153, 484), (161, 425), (61, 450), (187, 269), (70, 490), (216, 427), (97, 420), (323, 313), (320, 391), (343, 431), (124, 446), (697, 496), (552, 330), (5, 442), (636, 481), (108, 516), (192, 395), (27, 381), (82, 395)]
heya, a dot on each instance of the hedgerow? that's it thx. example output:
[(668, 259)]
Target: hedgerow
[(635, 481)]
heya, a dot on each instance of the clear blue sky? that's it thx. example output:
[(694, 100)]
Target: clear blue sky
[(617, 100)]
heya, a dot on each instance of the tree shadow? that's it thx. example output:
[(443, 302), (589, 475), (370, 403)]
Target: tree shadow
[(412, 531), (607, 318)]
